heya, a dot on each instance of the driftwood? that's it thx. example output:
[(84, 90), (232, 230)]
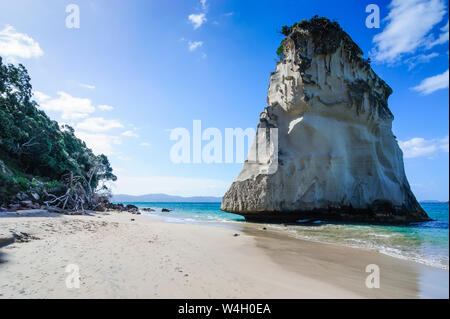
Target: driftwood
[(80, 194)]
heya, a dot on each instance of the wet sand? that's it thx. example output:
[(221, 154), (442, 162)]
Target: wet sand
[(346, 267)]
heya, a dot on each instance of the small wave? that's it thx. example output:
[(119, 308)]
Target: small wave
[(433, 261), (303, 220), (380, 235), (309, 221), (440, 262)]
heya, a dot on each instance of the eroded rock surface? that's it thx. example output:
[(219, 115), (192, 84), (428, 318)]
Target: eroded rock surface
[(336, 157)]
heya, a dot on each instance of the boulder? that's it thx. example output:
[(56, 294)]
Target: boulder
[(117, 207), (26, 204), (22, 197), (35, 206), (13, 207), (165, 210), (324, 148), (35, 196), (100, 208), (131, 207)]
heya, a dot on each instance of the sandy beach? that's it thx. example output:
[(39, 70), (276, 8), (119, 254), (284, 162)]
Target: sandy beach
[(120, 255)]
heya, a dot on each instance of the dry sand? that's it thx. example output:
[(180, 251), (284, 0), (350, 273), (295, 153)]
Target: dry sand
[(149, 258)]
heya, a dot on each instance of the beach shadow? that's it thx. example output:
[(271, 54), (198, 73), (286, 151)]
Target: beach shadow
[(29, 213), (2, 258), (6, 241)]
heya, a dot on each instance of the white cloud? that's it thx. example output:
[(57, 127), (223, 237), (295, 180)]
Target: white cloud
[(408, 28), (443, 37), (229, 14), (417, 147), (432, 84), (87, 86), (123, 157), (71, 108), (419, 59), (106, 107), (170, 185), (75, 109), (130, 134), (443, 144), (18, 45), (98, 124), (145, 144), (197, 20), (195, 45), (203, 3), (41, 97), (99, 143), (119, 169)]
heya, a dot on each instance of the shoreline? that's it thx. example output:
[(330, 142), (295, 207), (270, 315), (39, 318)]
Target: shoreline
[(150, 258), (417, 260), (288, 231)]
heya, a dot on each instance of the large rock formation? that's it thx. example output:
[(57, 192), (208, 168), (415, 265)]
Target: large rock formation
[(336, 157)]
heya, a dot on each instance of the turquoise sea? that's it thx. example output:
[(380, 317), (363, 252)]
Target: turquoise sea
[(427, 243)]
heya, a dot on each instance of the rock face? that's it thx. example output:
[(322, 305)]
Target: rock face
[(336, 157)]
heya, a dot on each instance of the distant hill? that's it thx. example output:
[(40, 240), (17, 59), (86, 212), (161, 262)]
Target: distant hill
[(165, 198)]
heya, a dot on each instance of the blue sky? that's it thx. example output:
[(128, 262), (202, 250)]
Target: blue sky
[(134, 70)]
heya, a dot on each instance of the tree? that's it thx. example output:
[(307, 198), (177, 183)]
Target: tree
[(38, 148), (280, 51), (285, 30)]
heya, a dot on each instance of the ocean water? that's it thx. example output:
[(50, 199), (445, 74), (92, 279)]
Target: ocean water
[(427, 242)]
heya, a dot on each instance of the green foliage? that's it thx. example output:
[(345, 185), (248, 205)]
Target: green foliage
[(52, 185), (8, 186), (285, 30), (24, 183), (33, 145), (280, 51)]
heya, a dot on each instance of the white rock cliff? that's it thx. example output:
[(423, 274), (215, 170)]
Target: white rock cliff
[(336, 157)]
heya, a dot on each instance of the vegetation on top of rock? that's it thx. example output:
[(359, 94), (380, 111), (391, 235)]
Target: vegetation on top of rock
[(327, 36), (37, 154), (280, 51)]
